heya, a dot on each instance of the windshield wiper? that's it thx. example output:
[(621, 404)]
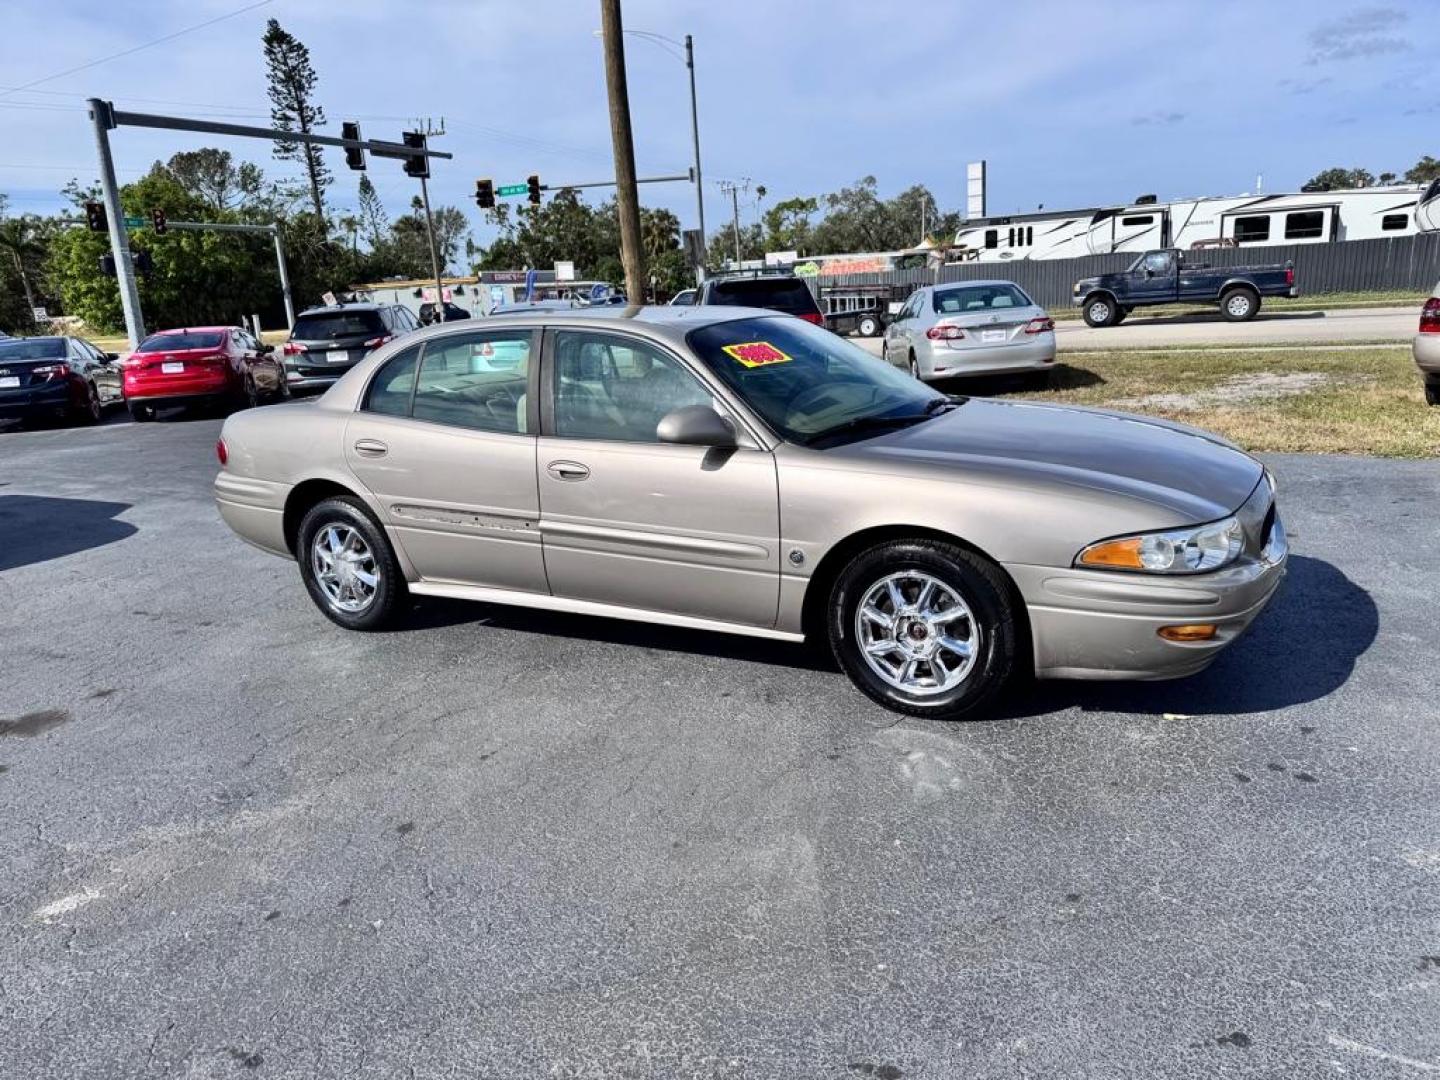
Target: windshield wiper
[(868, 423)]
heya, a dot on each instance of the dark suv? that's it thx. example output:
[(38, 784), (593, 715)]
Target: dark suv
[(328, 341), (776, 290)]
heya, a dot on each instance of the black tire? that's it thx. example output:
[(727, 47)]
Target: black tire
[(90, 412), (1099, 310), (984, 590), (1432, 393), (1239, 304), (249, 395), (141, 413), (390, 593), (869, 326), (914, 367)]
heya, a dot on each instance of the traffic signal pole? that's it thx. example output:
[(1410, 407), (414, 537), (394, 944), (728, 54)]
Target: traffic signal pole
[(101, 114), (434, 252)]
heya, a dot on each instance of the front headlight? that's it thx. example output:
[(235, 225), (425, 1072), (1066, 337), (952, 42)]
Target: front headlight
[(1176, 551)]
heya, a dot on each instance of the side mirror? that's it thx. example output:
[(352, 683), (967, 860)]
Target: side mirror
[(266, 350), (695, 425), (111, 357), (1149, 273)]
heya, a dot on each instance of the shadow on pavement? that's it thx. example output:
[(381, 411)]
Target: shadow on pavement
[(38, 528), (1303, 647), (1138, 318)]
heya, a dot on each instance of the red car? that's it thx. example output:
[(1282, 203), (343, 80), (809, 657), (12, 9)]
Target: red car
[(219, 365)]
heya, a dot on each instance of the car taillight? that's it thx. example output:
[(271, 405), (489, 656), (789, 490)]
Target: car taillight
[(52, 371), (1430, 316), (1040, 325), (1289, 275), (944, 333), (813, 317), (376, 342), (222, 453), (293, 348)]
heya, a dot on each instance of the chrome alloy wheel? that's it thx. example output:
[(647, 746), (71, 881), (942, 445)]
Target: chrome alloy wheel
[(345, 568), (1099, 311), (1238, 305), (917, 633)]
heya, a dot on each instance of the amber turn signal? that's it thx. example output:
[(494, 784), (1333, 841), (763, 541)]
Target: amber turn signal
[(1121, 553), (1189, 632)]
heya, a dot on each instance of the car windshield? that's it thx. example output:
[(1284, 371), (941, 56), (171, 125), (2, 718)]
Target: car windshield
[(330, 325), (790, 295), (46, 348), (174, 342), (809, 384), (968, 298)]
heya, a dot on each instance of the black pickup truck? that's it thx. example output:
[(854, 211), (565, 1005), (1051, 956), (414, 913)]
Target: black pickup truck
[(1168, 277)]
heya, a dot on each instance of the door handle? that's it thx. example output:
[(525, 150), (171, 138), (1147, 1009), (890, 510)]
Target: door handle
[(567, 470), (371, 448)]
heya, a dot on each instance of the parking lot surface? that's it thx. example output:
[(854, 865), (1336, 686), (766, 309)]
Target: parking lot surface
[(239, 841)]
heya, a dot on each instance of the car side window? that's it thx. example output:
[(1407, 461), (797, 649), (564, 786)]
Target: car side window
[(476, 381), (609, 386), (393, 384), (1158, 262)]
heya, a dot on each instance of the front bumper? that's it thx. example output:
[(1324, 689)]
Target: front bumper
[(1093, 624)]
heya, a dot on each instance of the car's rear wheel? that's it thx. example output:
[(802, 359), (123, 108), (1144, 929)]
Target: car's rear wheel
[(1432, 393), (914, 366), (1099, 311), (924, 627), (1238, 305), (348, 565), (141, 413), (91, 411), (869, 326)]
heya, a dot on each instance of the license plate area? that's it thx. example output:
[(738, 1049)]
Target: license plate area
[(992, 337), (9, 382), (174, 367)]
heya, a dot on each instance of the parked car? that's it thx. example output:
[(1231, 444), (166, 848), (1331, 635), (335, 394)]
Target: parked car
[(1168, 276), (221, 366), (56, 377), (730, 469), (971, 328), (1427, 347), (453, 312), (684, 296), (326, 342), (773, 289)]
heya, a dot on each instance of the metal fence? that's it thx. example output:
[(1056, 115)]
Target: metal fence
[(1397, 263)]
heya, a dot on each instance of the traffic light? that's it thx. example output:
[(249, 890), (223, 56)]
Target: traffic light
[(354, 155), (143, 263), (533, 183), (157, 221), (417, 165), (107, 264), (485, 193), (95, 217)]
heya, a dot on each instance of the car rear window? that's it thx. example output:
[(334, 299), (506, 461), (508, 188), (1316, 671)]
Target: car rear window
[(336, 324), (44, 348), (790, 295), (189, 340), (978, 298)]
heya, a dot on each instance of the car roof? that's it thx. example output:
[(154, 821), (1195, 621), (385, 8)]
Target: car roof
[(963, 284), (664, 321), (331, 309), (193, 329)]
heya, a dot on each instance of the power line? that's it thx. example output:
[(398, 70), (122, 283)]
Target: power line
[(137, 48)]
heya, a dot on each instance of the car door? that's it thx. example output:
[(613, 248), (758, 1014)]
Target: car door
[(445, 440), (897, 334), (100, 371), (1153, 281), (629, 520)]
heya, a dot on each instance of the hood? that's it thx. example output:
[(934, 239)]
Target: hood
[(1186, 472)]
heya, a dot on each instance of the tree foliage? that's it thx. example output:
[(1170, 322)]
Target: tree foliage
[(291, 87), (1339, 179)]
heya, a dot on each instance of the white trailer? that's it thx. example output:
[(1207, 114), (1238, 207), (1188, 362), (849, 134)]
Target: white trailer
[(1317, 217)]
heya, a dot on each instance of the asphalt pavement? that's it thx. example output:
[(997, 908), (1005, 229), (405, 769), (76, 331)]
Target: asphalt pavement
[(1208, 330), (239, 841)]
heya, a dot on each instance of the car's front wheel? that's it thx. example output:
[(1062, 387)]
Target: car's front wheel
[(925, 628), (348, 565), (91, 410), (1099, 311)]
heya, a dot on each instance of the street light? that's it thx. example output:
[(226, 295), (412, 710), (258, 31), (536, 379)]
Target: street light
[(670, 45)]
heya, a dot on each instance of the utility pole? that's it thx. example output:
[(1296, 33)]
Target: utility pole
[(430, 228), (627, 194), (284, 277), (732, 188), (695, 134), (103, 116)]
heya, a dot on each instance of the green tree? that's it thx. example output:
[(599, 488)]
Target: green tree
[(1423, 171), (787, 224), (409, 242), (22, 251), (1335, 179), (291, 87), (213, 177), (373, 221)]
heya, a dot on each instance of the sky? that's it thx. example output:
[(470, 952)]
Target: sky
[(1070, 107)]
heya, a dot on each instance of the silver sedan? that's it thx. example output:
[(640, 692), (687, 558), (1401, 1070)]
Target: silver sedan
[(731, 469), (971, 328)]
